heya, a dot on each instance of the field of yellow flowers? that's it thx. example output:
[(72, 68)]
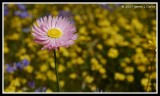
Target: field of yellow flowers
[(115, 50)]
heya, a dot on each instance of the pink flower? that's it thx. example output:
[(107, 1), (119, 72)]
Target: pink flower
[(54, 32)]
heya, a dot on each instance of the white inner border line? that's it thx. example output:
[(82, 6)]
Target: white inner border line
[(80, 3)]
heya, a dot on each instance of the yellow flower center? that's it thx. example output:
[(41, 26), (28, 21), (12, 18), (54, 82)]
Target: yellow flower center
[(54, 33)]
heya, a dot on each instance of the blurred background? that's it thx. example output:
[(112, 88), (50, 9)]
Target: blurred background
[(114, 52)]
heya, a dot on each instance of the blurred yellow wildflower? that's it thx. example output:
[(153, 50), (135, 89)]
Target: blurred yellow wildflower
[(102, 70), (83, 30), (79, 49), (54, 12), (73, 76), (14, 36), (100, 46), (61, 68), (139, 58), (96, 66), (153, 75), (104, 23), (130, 78), (51, 62), (48, 90), (137, 24), (113, 53), (44, 68), (136, 41), (80, 61), (141, 68), (69, 64), (61, 83), (43, 54), (128, 69), (65, 52), (139, 50), (143, 14), (24, 81), (153, 22), (17, 24), (94, 61), (123, 64), (10, 88), (122, 21), (51, 76), (15, 82), (84, 73), (29, 69), (144, 81), (73, 55), (6, 50), (25, 56), (152, 43), (119, 76), (89, 79), (92, 87), (41, 76), (77, 17), (110, 42), (103, 61), (22, 51), (127, 60)]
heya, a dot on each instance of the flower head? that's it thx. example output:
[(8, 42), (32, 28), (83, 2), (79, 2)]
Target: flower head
[(10, 69), (31, 84), (25, 62), (5, 10), (22, 14), (54, 32), (21, 6), (22, 64)]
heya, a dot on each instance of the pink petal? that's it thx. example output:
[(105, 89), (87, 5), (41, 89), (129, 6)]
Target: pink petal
[(49, 22), (46, 22), (37, 29)]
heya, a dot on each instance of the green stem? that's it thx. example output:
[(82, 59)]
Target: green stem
[(149, 78), (57, 77)]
